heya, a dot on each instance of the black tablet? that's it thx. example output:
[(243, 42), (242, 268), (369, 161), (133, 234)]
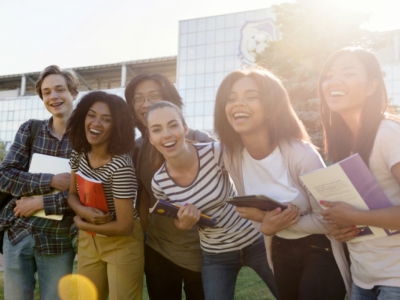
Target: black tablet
[(261, 202)]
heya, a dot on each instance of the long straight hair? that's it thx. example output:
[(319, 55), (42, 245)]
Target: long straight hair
[(338, 139), (282, 122)]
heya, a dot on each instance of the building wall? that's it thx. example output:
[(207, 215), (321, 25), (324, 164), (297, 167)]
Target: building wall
[(212, 47)]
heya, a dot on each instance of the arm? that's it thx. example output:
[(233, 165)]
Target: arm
[(90, 214), (123, 225)]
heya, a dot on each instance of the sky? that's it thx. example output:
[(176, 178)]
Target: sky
[(76, 33)]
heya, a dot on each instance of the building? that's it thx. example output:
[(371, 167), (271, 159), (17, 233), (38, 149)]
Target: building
[(209, 48)]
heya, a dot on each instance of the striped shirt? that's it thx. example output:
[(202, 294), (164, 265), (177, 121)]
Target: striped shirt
[(118, 177), (51, 236), (208, 192)]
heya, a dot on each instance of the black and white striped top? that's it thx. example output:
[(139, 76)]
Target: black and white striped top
[(208, 192), (118, 177)]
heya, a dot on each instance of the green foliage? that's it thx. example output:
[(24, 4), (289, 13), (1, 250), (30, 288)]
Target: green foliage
[(311, 30)]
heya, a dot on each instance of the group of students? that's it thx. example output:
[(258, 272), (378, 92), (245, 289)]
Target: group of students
[(262, 148)]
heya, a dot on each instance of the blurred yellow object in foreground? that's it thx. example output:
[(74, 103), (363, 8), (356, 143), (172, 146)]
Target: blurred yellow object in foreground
[(76, 287)]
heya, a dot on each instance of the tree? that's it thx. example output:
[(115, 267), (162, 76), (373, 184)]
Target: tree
[(310, 31), (2, 150)]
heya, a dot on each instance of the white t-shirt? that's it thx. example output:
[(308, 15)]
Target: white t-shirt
[(377, 261), (270, 177)]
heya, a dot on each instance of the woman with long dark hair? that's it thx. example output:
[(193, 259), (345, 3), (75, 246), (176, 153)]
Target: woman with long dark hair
[(100, 131), (353, 112), (267, 148)]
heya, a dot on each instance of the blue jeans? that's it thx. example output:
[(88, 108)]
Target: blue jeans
[(219, 271), (22, 261), (379, 292)]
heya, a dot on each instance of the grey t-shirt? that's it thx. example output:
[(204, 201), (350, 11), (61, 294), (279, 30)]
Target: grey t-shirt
[(182, 247)]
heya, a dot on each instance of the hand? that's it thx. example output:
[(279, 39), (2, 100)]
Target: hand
[(94, 215), (78, 221), (188, 215), (251, 213), (28, 206), (338, 213), (277, 220), (344, 234), (61, 181)]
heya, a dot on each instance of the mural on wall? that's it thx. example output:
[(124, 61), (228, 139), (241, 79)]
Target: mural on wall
[(255, 36)]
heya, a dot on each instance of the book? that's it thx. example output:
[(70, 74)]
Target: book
[(261, 202), (91, 194), (41, 163), (168, 209), (350, 181)]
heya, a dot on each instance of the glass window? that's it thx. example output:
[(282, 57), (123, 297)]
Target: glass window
[(191, 53), (190, 95), (211, 23), (198, 122), (210, 65), (229, 34), (199, 108), (201, 38), (220, 35), (189, 109), (182, 68), (182, 53), (250, 16), (210, 37), (209, 80), (190, 82), (210, 50), (389, 86), (182, 93), (182, 82), (183, 26), (239, 19), (199, 96), (201, 24), (396, 72), (190, 121), (29, 103), (192, 26), (219, 49), (230, 48), (220, 22), (387, 72), (396, 87), (218, 78), (201, 51), (229, 64), (208, 123), (208, 108), (10, 115), (191, 67), (183, 40), (199, 80), (191, 41), (200, 66), (219, 64), (209, 94), (260, 14), (230, 20)]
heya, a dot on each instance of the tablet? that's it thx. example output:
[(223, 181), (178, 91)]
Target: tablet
[(261, 202)]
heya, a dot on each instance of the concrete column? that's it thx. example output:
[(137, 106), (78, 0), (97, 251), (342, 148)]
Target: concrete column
[(123, 75), (23, 85)]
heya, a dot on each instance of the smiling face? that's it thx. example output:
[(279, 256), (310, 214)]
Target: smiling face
[(98, 124), (244, 109), (166, 131), (57, 98), (146, 93), (346, 86)]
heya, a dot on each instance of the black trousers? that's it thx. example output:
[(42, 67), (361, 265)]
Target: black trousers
[(164, 279), (305, 269)]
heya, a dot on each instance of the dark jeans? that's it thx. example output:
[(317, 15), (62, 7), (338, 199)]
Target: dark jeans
[(306, 269), (164, 278)]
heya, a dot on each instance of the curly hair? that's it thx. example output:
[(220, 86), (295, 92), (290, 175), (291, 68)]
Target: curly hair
[(122, 132)]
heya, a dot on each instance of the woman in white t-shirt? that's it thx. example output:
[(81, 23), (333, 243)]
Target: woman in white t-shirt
[(267, 148), (353, 104), (194, 177)]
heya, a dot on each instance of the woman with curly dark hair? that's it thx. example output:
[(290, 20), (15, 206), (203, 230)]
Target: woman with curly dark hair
[(100, 131)]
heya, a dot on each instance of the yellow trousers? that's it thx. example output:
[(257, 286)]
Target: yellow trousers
[(114, 264)]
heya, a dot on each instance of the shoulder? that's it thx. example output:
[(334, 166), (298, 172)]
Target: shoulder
[(199, 136), (123, 160), (301, 154), (388, 128)]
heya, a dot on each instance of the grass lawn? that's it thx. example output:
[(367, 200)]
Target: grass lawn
[(248, 287)]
